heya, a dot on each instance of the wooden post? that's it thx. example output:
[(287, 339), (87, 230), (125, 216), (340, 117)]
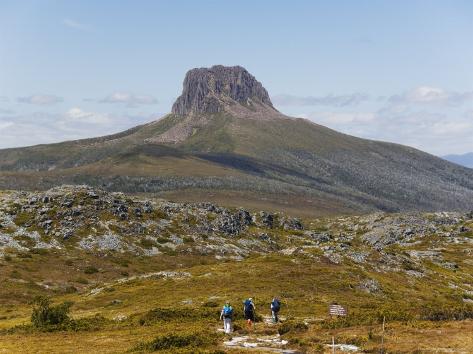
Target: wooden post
[(382, 336), (286, 304), (333, 344)]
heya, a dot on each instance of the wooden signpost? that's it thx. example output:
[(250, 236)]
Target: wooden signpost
[(335, 309)]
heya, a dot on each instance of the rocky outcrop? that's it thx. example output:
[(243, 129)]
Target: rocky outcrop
[(210, 90), (83, 219)]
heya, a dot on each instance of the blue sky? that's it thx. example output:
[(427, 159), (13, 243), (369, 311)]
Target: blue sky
[(400, 71)]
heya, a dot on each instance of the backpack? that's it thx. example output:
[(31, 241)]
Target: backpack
[(248, 306), (276, 305), (227, 311)]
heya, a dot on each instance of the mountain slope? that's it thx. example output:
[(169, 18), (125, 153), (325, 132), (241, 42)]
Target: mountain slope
[(224, 136)]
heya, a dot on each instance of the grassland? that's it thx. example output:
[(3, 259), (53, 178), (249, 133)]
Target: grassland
[(412, 270), (306, 288)]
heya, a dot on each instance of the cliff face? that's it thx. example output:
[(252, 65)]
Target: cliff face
[(211, 90)]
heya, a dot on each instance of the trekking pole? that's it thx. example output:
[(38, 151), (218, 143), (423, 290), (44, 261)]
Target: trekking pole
[(254, 324), (333, 344)]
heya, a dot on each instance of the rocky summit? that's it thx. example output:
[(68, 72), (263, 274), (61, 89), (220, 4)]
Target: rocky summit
[(211, 90), (225, 142)]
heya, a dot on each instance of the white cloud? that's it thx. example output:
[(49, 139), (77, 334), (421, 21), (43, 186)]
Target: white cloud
[(76, 25), (41, 99), (44, 128), (451, 128), (129, 99), (429, 118), (439, 132), (6, 111), (4, 125), (329, 100), (427, 94), (343, 117), (4, 99), (431, 95), (79, 116)]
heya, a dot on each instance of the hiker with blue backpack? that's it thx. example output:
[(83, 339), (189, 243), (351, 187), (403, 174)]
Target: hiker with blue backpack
[(226, 315), (249, 311), (275, 307)]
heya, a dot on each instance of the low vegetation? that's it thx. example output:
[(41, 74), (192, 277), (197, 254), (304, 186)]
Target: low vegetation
[(410, 271), (45, 316), (194, 341)]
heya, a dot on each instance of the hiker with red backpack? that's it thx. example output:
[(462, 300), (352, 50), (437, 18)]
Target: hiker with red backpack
[(226, 315), (249, 311), (275, 307)]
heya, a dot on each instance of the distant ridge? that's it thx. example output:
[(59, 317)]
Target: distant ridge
[(224, 141), (464, 159)]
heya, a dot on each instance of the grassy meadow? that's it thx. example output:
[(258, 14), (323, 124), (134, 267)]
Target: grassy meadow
[(129, 316)]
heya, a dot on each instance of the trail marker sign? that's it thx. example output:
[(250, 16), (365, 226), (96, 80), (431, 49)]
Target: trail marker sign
[(337, 310)]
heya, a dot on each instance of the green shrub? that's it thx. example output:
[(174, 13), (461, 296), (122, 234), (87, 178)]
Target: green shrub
[(93, 323), (40, 251), (163, 240), (81, 280), (167, 314), (188, 239), (467, 296), (171, 341), (121, 262), (15, 274), (147, 243), (444, 313), (168, 251), (23, 218), (45, 315), (70, 289), (90, 270), (292, 326)]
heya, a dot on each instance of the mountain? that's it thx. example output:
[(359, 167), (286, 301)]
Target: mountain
[(225, 142), (464, 160)]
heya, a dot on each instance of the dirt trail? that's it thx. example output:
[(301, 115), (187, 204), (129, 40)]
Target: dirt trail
[(259, 341), (263, 343)]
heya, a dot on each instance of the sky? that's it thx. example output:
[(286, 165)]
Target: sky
[(398, 71)]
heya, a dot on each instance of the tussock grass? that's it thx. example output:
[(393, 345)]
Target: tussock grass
[(178, 314), (442, 312), (292, 326), (194, 341)]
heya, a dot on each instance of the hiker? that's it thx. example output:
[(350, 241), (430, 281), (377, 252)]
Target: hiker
[(226, 315), (249, 311), (275, 307)]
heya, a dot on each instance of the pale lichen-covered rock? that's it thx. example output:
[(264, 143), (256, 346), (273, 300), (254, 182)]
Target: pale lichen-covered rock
[(370, 286)]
